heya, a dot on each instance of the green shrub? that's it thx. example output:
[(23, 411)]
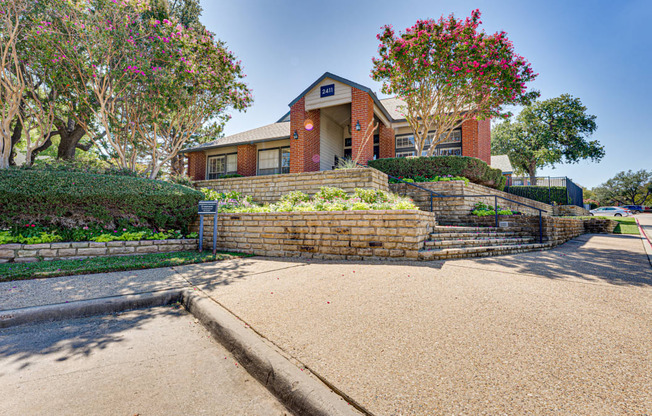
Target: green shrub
[(328, 193), (295, 197), (73, 199), (471, 168), (557, 194)]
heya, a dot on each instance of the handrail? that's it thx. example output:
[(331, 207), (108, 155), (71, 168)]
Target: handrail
[(434, 194)]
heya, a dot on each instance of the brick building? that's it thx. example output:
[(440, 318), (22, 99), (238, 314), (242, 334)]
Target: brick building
[(327, 122)]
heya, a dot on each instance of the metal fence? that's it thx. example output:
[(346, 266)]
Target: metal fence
[(528, 188)]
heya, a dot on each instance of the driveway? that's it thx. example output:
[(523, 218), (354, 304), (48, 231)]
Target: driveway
[(564, 331), (567, 331)]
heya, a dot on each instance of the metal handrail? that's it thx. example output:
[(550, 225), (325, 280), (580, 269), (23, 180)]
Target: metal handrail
[(434, 194)]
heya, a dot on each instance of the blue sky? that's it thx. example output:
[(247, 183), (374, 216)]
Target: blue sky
[(599, 51)]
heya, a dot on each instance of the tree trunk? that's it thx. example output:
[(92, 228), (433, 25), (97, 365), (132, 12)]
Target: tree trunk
[(46, 145), (15, 138), (532, 171), (176, 165), (70, 142)]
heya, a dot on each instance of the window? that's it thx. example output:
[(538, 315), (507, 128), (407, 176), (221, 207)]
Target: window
[(404, 141), (222, 165), (455, 137), (273, 161)]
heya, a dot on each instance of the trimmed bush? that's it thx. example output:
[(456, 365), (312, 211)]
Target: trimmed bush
[(557, 194), (472, 168), (73, 199)]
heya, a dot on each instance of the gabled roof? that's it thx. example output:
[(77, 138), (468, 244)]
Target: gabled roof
[(350, 84), (502, 162), (274, 131)]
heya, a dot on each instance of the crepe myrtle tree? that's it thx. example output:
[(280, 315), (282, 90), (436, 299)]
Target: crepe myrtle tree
[(148, 79), (188, 94), (12, 81), (447, 71)]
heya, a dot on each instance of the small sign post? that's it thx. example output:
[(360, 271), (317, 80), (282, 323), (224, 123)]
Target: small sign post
[(207, 208)]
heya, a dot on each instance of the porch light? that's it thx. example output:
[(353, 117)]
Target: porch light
[(295, 135), (308, 124), (357, 125)]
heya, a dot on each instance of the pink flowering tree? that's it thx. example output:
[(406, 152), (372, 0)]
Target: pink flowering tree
[(12, 81), (447, 71), (149, 84)]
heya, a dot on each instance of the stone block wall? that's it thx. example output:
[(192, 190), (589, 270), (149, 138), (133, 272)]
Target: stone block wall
[(555, 230), (599, 225), (451, 211), (27, 253), (270, 188), (351, 235), (570, 211)]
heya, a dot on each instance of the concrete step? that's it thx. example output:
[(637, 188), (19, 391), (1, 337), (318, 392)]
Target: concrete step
[(479, 235), (479, 242), (482, 251), (469, 228)]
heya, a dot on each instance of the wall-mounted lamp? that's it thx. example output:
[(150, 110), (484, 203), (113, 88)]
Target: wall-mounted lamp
[(295, 135), (357, 126)]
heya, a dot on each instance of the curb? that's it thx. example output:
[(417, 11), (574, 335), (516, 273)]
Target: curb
[(299, 392), (647, 241), (83, 308), (295, 389)]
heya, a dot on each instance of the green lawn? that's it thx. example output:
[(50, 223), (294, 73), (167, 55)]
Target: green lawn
[(19, 271), (626, 225)]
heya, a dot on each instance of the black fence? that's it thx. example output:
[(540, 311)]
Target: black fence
[(559, 190)]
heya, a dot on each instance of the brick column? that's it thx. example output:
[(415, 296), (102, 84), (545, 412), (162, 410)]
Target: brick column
[(484, 140), (197, 166), (470, 138), (387, 142), (362, 111), (247, 159), (304, 151)]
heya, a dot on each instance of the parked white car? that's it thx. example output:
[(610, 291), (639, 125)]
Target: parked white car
[(611, 212)]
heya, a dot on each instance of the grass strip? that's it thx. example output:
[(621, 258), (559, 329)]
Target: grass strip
[(55, 268)]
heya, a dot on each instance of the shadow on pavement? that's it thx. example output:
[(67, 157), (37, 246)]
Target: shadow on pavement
[(595, 258), (72, 338)]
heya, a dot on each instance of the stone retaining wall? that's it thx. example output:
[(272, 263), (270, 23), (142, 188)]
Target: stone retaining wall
[(451, 211), (570, 211), (555, 230), (351, 235), (599, 225), (26, 253), (269, 188)]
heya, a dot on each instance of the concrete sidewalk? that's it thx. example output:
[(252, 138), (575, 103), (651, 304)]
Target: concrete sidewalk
[(645, 223), (565, 331)]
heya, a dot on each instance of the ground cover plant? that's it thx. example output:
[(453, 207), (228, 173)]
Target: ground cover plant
[(42, 269), (471, 168), (327, 199), (482, 210)]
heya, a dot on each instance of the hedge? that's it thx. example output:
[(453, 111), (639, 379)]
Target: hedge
[(476, 170), (557, 194), (73, 199)]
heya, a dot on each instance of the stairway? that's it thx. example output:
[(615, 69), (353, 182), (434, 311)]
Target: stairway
[(456, 242)]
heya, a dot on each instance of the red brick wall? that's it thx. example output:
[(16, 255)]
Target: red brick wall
[(197, 166), (362, 110), (484, 140), (387, 142), (247, 159), (476, 139), (304, 151)]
